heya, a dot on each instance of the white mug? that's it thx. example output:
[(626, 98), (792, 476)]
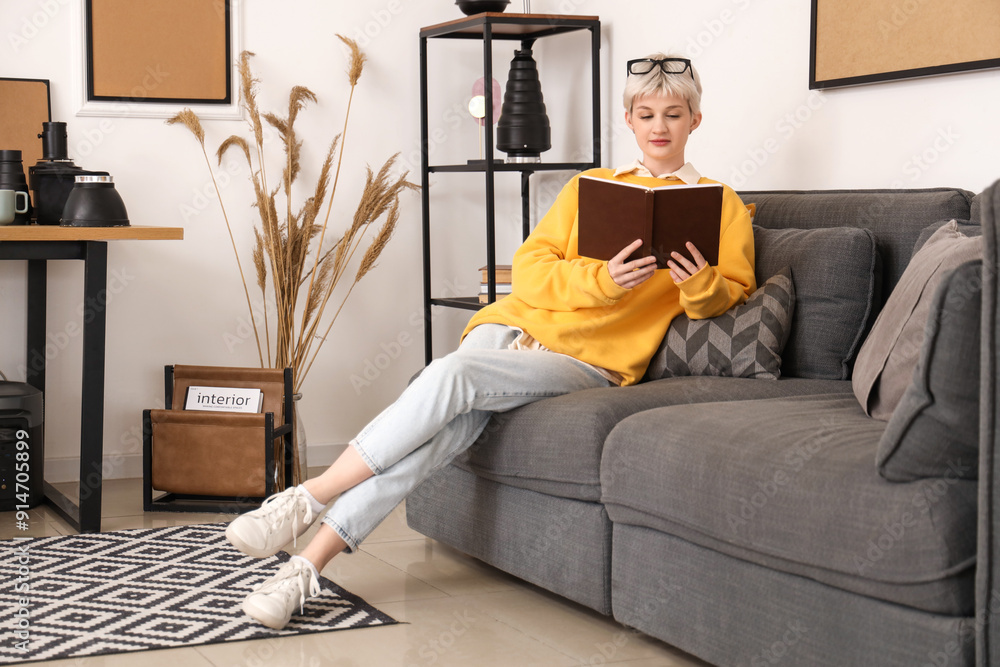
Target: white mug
[(8, 205)]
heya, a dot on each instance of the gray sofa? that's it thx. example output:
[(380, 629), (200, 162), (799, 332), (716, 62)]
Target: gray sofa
[(746, 521)]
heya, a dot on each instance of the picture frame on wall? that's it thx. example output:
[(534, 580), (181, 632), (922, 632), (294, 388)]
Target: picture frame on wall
[(152, 58), (855, 42), (24, 105)]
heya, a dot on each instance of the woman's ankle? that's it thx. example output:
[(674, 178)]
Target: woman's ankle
[(314, 490), (323, 547)]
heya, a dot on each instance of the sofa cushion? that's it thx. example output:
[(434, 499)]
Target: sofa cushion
[(935, 427), (967, 228), (745, 341), (889, 354), (836, 276), (789, 484), (554, 446), (895, 217)]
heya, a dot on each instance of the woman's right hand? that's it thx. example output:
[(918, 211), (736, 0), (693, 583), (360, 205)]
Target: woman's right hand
[(631, 274)]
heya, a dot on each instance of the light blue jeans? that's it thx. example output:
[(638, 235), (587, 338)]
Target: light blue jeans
[(441, 413)]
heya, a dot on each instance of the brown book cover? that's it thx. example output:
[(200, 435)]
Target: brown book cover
[(484, 298), (613, 214), (503, 273)]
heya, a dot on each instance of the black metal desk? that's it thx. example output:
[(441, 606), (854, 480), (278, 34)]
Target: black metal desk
[(37, 244)]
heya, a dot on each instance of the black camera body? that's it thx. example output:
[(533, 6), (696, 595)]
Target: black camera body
[(54, 176)]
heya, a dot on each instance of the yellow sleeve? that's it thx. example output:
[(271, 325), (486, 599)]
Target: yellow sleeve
[(543, 277), (715, 289)]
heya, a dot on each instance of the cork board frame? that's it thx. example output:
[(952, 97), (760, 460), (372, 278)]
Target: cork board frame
[(158, 50), (24, 105), (152, 58), (856, 42)]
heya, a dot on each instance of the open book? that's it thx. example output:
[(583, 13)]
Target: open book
[(613, 214)]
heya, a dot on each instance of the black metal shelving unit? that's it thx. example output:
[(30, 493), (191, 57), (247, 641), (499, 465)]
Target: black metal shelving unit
[(487, 27)]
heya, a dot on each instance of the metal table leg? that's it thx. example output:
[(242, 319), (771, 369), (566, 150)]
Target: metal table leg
[(86, 515)]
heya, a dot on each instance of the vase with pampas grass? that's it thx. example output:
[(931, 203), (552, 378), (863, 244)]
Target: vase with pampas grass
[(294, 262)]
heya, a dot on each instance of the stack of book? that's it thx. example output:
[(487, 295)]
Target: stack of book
[(503, 282)]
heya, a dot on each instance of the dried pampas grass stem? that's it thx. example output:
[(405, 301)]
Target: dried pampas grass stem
[(193, 123), (291, 250)]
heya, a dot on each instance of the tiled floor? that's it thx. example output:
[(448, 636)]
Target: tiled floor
[(455, 610)]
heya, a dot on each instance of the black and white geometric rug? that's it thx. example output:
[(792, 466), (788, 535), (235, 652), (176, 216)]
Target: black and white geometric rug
[(135, 590)]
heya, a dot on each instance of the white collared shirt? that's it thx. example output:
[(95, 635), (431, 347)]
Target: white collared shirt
[(688, 174)]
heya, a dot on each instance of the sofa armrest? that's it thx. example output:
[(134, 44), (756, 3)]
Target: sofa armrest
[(988, 564)]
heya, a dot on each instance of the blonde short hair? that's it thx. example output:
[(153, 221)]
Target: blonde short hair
[(657, 82)]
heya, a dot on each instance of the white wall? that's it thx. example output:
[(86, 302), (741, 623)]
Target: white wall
[(181, 301)]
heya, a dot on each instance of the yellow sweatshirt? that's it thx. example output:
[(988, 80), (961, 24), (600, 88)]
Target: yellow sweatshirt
[(571, 305)]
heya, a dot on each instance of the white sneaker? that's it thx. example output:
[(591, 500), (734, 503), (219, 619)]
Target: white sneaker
[(266, 530), (273, 602)]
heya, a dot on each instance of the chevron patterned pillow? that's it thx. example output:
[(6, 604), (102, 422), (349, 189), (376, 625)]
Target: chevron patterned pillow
[(745, 341)]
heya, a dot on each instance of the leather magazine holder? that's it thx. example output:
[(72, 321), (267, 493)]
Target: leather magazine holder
[(217, 461)]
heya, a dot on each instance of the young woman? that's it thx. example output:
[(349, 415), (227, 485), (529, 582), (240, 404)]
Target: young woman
[(571, 323)]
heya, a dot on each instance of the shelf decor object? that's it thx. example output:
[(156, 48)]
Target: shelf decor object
[(477, 108), (471, 7), (884, 40), (523, 131), (486, 28)]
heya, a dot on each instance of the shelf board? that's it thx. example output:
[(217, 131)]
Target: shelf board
[(513, 166), (464, 302), (510, 26), (58, 233)]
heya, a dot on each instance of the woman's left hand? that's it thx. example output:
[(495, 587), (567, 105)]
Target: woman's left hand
[(681, 268)]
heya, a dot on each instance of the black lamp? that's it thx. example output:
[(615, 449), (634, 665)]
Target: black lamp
[(523, 131)]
